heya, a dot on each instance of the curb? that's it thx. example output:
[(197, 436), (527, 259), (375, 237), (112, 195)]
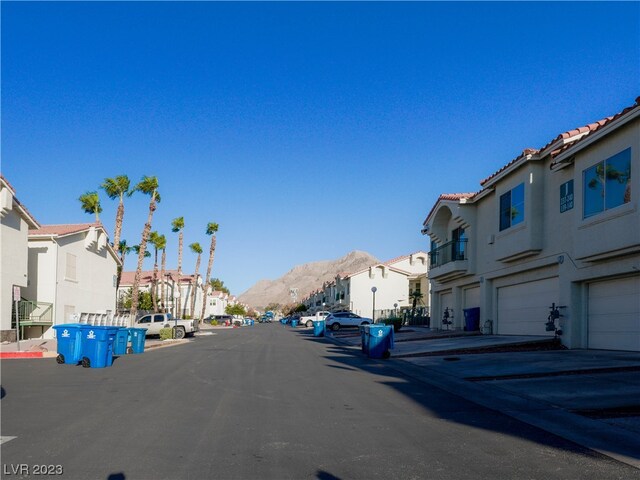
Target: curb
[(18, 355)]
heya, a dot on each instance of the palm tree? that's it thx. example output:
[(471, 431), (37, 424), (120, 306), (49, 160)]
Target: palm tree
[(154, 239), (195, 248), (123, 251), (148, 186), (177, 225), (117, 187), (91, 204), (212, 228), (162, 245)]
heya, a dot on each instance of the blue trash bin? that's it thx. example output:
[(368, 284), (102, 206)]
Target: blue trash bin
[(69, 343), (319, 327), (380, 338), (294, 323), (472, 319), (97, 345), (120, 341), (138, 336)]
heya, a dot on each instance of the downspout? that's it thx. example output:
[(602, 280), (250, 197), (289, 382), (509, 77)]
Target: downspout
[(55, 292)]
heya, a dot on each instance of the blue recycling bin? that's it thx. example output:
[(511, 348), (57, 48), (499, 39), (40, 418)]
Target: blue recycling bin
[(319, 327), (138, 336), (120, 341), (97, 345), (294, 323), (472, 319), (69, 343), (380, 338)]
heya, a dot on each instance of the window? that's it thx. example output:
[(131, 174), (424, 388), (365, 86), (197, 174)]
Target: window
[(158, 318), (512, 207), (145, 319), (70, 270), (459, 244), (607, 184)]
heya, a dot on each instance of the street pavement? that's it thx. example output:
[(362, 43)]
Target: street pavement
[(270, 402)]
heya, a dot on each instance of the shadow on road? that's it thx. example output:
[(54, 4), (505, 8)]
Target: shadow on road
[(443, 404)]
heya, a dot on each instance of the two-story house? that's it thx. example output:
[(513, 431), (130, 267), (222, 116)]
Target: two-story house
[(557, 226), (73, 268), (15, 222)]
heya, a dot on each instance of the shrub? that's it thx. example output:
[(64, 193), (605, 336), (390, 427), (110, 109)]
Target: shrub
[(166, 333), (395, 321), (186, 317), (214, 323)]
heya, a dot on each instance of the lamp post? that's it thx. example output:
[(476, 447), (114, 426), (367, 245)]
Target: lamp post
[(373, 316), (395, 309)]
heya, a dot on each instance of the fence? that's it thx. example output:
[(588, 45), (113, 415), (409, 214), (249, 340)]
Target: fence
[(103, 319), (420, 315)]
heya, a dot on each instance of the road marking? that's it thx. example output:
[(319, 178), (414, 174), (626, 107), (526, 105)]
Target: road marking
[(5, 439)]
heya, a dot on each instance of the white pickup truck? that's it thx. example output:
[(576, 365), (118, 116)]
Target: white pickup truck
[(156, 321), (308, 320)]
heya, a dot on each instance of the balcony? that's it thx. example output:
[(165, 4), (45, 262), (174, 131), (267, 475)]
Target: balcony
[(33, 314), (448, 261)]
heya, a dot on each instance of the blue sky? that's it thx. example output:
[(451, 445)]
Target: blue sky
[(306, 130)]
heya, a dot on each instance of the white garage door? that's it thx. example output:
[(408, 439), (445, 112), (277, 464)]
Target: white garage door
[(614, 314), (523, 309), (472, 297)]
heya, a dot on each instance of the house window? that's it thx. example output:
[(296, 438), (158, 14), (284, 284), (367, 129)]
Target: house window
[(70, 270), (459, 243), (607, 184), (512, 207)]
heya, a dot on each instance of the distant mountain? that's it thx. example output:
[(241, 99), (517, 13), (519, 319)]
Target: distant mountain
[(306, 278)]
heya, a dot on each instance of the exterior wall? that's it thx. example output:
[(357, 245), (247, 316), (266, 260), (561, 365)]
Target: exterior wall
[(547, 243), (93, 289), (392, 289), (13, 267)]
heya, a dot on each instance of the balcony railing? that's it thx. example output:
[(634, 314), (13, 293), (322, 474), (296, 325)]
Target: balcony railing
[(448, 252), (34, 312)]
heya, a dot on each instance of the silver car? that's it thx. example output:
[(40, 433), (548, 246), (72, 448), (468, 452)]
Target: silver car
[(335, 321)]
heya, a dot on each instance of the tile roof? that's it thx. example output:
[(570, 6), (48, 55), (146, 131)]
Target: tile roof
[(64, 229), (450, 197), (577, 134), (404, 257), (146, 277)]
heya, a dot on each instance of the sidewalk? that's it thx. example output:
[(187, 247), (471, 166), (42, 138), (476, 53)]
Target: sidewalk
[(591, 397)]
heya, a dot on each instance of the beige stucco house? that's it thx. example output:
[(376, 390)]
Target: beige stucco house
[(557, 226), (15, 222), (394, 280), (72, 267)]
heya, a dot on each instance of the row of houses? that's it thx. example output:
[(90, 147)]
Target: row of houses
[(54, 274), (396, 283), (555, 229)]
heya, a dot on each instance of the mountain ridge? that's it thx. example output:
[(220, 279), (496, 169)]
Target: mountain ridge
[(306, 277)]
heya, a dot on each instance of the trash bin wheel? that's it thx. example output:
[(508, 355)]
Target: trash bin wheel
[(86, 363), (60, 358), (386, 354), (179, 333), (129, 350)]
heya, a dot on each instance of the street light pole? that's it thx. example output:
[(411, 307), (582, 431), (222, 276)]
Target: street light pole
[(373, 316)]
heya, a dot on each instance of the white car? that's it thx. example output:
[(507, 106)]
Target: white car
[(345, 319)]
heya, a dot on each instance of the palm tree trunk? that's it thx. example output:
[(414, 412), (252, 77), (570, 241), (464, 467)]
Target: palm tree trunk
[(118, 227), (194, 285), (135, 291), (179, 299), (154, 283), (163, 281), (205, 286)]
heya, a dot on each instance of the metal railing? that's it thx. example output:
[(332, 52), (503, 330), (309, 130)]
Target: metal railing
[(30, 311), (448, 252)]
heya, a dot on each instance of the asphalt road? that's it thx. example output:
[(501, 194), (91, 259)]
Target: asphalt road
[(266, 403)]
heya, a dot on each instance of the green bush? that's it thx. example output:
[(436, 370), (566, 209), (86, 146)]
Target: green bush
[(214, 323), (186, 317), (395, 321), (166, 333)]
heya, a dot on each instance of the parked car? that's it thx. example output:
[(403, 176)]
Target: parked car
[(307, 320), (218, 318), (156, 321), (345, 319)]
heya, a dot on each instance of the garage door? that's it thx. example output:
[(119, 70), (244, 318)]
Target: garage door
[(614, 314), (472, 297), (523, 309)]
